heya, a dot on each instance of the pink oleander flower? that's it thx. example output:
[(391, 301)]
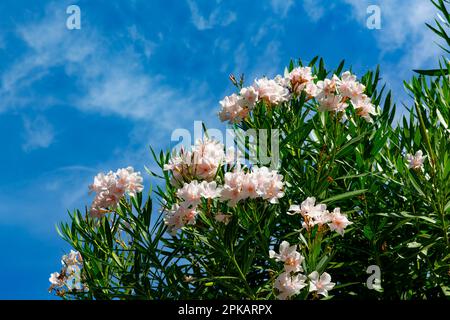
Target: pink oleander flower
[(190, 193), (259, 183), (73, 258), (130, 181), (364, 108), (56, 280), (311, 89), (112, 187), (208, 155), (337, 221), (178, 217), (69, 278), (415, 161), (348, 86), (270, 183), (179, 165), (308, 207), (320, 284), (282, 81), (249, 186), (326, 87), (201, 163), (209, 190), (250, 96), (332, 102), (232, 188), (233, 109), (223, 218), (300, 78), (271, 92), (289, 286), (289, 256), (312, 214)]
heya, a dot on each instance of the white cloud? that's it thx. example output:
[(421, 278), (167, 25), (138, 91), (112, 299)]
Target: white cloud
[(149, 46), (314, 9), (38, 133), (106, 82), (403, 37), (216, 18), (281, 7)]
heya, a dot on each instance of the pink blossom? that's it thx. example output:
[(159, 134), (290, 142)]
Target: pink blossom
[(289, 256), (300, 78), (415, 161), (250, 96), (320, 284), (332, 102), (270, 183), (223, 218), (232, 189), (201, 163), (112, 187), (271, 92), (349, 87), (179, 216), (233, 109), (337, 221), (364, 108), (326, 87), (289, 286)]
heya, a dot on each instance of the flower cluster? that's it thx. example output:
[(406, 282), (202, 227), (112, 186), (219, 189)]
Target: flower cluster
[(317, 214), (199, 163), (415, 161), (258, 183), (331, 94), (291, 281), (69, 278), (237, 185), (111, 187)]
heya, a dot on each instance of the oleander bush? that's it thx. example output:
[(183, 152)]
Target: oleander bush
[(327, 193)]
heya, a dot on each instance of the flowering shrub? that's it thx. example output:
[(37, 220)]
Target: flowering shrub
[(352, 191)]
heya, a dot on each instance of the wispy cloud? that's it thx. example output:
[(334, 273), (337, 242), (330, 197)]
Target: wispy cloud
[(314, 9), (404, 41), (138, 37), (281, 7), (105, 81), (217, 17), (38, 133)]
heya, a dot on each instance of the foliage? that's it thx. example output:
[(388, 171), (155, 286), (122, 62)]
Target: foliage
[(399, 213)]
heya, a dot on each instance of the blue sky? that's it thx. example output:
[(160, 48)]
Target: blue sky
[(76, 102)]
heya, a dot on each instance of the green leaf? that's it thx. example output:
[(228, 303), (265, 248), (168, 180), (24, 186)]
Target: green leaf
[(345, 195)]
